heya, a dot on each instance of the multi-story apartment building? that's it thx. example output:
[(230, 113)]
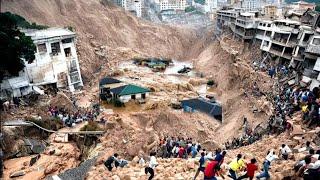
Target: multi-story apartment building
[(171, 5), (56, 63), (295, 43), (245, 25), (270, 10), (250, 5), (227, 18), (134, 6)]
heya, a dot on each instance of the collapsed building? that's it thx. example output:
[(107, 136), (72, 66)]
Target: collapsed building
[(56, 63), (293, 41)]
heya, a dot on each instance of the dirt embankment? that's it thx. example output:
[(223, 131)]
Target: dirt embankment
[(228, 63), (106, 33)]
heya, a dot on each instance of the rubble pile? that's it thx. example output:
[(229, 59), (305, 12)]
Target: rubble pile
[(140, 132), (57, 158), (171, 169)]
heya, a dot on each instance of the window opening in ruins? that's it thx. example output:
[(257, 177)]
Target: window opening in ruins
[(288, 51), (67, 52), (308, 64), (316, 41), (68, 40), (42, 48), (74, 77), (55, 48), (306, 37), (301, 50), (268, 33), (294, 38)]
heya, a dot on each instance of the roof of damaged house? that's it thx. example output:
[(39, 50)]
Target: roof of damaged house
[(302, 2), (48, 33), (128, 90), (108, 80), (210, 108)]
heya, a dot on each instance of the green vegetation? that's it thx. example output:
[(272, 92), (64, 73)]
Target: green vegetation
[(14, 45), (190, 9), (23, 23), (200, 1), (91, 126), (318, 8)]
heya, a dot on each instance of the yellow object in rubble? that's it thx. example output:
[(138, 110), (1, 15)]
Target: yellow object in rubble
[(305, 108)]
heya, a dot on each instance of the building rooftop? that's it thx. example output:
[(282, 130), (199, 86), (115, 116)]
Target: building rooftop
[(108, 80), (212, 109), (302, 2), (128, 90), (247, 14), (47, 33)]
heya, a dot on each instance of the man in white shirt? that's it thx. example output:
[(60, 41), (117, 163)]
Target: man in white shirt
[(266, 164), (152, 165), (285, 151)]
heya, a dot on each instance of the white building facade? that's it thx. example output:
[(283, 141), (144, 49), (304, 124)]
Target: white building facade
[(134, 6), (251, 5), (56, 59), (171, 4), (56, 63), (211, 5)]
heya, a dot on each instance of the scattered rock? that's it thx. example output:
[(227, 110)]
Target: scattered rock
[(17, 174)]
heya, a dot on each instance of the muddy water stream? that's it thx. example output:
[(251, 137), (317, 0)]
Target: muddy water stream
[(170, 74)]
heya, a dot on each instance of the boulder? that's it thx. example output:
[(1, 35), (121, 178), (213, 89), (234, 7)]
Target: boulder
[(58, 152), (17, 174), (115, 177), (51, 168)]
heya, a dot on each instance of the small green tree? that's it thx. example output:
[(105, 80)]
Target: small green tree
[(14, 46)]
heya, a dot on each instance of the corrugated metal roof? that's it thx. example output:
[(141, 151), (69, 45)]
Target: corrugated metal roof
[(18, 82), (212, 109), (129, 89)]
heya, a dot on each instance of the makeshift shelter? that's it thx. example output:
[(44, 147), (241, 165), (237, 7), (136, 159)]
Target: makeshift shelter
[(105, 85), (127, 92), (202, 105)]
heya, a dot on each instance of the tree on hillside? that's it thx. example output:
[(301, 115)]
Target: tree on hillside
[(14, 46), (318, 8)]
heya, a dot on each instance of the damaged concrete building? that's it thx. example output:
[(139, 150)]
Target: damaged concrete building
[(292, 41), (56, 63)]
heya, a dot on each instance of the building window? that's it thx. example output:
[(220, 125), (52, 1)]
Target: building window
[(42, 48), (55, 48), (316, 41), (67, 52), (68, 40), (133, 96)]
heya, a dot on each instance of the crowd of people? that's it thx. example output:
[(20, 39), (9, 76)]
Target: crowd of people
[(69, 118), (178, 147)]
